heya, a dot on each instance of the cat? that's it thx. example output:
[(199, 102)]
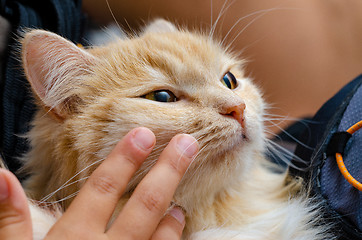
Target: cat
[(172, 81)]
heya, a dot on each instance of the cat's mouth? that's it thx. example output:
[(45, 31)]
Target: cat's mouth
[(234, 140), (244, 136), (237, 117), (241, 125)]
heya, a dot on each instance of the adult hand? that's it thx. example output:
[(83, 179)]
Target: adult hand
[(87, 217)]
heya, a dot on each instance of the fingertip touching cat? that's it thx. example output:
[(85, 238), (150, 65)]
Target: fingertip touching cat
[(171, 81)]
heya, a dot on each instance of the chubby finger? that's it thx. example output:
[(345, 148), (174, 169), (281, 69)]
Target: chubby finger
[(171, 225), (97, 199), (142, 213), (15, 221)]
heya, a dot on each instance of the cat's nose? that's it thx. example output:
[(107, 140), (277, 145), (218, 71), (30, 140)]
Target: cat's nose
[(237, 112)]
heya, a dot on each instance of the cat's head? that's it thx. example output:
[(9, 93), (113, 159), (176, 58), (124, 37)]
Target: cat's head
[(169, 80)]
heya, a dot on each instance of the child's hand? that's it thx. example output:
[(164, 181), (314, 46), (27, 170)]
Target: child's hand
[(88, 215)]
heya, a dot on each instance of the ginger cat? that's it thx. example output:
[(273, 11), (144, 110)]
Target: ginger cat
[(172, 81)]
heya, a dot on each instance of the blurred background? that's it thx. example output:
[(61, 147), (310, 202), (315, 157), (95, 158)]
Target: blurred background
[(299, 52)]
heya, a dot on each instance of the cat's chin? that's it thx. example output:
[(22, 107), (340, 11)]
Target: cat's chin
[(234, 143)]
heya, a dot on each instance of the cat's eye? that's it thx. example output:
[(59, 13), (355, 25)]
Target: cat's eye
[(161, 96), (229, 80)]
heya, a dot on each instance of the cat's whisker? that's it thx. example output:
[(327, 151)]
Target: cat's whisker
[(70, 179), (277, 150), (69, 184), (129, 27), (269, 116), (113, 16), (186, 150), (262, 14), (195, 174), (244, 29), (292, 137), (223, 9), (197, 155), (277, 117), (269, 124), (201, 163), (198, 139), (211, 15), (160, 147), (272, 134), (284, 154), (198, 172), (275, 120), (47, 204), (242, 18)]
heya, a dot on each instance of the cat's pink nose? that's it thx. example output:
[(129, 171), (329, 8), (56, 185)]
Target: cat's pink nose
[(236, 112)]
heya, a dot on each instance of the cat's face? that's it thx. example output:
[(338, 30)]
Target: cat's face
[(169, 81)]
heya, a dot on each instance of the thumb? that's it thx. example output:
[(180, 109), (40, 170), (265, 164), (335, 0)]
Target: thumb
[(15, 221)]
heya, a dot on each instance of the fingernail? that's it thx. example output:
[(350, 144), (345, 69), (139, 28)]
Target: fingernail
[(177, 214), (187, 145), (4, 190), (144, 138)]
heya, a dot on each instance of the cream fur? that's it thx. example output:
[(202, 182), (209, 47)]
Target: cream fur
[(43, 219), (89, 98)]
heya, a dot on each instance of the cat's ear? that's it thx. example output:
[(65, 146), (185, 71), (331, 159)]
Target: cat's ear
[(160, 26), (54, 68)]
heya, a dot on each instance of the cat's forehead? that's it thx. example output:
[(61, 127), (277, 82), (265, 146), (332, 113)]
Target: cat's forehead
[(176, 58)]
